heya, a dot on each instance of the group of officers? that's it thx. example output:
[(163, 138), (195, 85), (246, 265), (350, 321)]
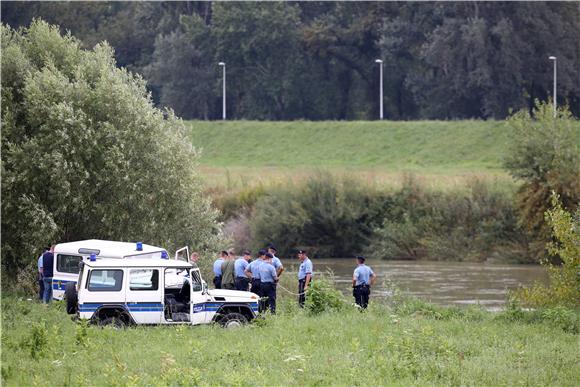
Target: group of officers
[(261, 275)]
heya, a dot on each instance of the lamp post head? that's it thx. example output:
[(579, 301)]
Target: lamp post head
[(378, 61), (552, 58), (222, 63)]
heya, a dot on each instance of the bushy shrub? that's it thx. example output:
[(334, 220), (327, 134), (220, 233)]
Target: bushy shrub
[(330, 216), (544, 155), (85, 154), (564, 286), (322, 297), (460, 225)]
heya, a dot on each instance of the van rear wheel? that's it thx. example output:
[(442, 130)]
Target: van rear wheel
[(114, 322), (233, 320), (72, 298)]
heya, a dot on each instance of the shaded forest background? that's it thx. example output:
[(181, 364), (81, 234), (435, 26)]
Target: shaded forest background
[(315, 60)]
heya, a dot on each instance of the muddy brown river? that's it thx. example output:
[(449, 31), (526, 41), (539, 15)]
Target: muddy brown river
[(443, 283)]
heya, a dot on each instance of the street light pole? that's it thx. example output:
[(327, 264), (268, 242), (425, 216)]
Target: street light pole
[(380, 62), (554, 93), (224, 90)]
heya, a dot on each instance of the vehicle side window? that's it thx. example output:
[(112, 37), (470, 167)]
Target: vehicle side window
[(144, 279), (195, 281), (68, 263), (105, 280)]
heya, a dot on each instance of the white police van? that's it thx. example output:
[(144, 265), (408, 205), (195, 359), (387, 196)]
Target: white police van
[(153, 290), (67, 257)]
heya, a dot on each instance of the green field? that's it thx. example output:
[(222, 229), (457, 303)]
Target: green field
[(431, 145), (439, 153), (410, 344)]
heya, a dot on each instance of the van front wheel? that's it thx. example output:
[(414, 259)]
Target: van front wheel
[(233, 320)]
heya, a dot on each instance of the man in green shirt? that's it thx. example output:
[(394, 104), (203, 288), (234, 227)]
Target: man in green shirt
[(228, 275)]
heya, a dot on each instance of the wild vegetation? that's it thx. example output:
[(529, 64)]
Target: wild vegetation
[(404, 343), (85, 154), (316, 60), (452, 215), (564, 287)]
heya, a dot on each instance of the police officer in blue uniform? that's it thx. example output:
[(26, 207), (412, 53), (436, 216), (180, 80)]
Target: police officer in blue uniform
[(240, 266), (304, 276), (362, 280), (275, 260), (217, 270), (268, 279), (253, 272)]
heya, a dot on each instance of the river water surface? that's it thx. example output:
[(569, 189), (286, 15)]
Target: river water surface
[(443, 283)]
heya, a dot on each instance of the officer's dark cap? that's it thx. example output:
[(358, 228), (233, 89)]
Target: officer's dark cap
[(247, 252), (360, 258), (301, 251), (224, 252), (269, 255), (271, 246), (261, 252)]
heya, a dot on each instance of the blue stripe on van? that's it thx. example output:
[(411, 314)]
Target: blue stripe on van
[(58, 284), (131, 307)]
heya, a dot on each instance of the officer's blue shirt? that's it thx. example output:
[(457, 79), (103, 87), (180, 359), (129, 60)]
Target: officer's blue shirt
[(305, 268), (268, 273), (217, 267), (240, 266), (362, 275), (254, 268), (276, 262)]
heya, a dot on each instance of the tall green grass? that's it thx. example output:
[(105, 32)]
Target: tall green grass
[(411, 343)]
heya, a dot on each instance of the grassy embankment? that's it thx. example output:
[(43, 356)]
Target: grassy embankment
[(440, 153), (409, 344)]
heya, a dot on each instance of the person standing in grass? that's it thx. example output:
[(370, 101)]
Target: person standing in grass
[(268, 279), (240, 266), (40, 281), (47, 273), (217, 270), (253, 272), (362, 280), (304, 276), (228, 275)]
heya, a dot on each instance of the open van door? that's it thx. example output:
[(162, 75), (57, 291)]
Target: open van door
[(182, 254), (199, 298)]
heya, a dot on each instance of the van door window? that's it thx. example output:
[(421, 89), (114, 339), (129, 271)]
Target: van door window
[(144, 279), (68, 263), (106, 280)]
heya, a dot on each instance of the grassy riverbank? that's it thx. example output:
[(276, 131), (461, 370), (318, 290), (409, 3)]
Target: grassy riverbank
[(410, 343), (440, 153)]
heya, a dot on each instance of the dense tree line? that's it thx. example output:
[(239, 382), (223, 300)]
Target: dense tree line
[(315, 60)]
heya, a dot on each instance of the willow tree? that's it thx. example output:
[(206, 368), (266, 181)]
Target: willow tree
[(85, 154)]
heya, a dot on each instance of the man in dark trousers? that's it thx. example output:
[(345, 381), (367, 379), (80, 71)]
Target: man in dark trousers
[(40, 281), (217, 270), (362, 280), (228, 275), (253, 272), (240, 266), (304, 276), (268, 279), (47, 273)]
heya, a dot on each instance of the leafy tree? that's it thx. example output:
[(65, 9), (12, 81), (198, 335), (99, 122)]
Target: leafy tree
[(545, 156), (86, 155), (182, 70), (564, 287)]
